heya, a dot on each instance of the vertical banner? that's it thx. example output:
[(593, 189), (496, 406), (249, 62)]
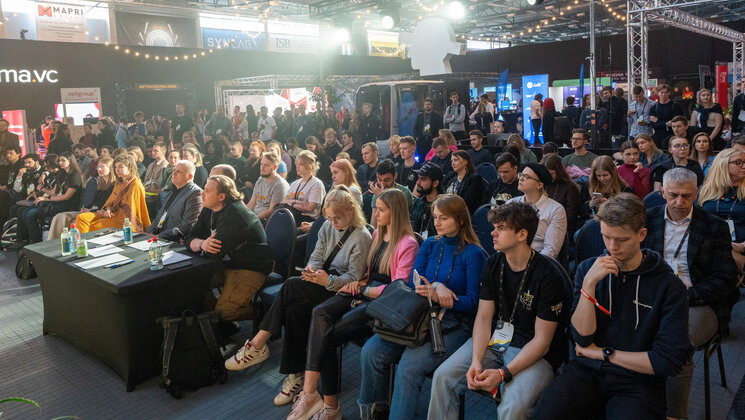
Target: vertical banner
[(60, 22), (532, 85), (17, 125), (721, 87), (502, 86)]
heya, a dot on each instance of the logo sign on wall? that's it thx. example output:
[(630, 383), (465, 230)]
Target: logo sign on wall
[(155, 30), (385, 49), (60, 22), (291, 43), (28, 76), (77, 95), (431, 46), (532, 85), (236, 40), (17, 125)]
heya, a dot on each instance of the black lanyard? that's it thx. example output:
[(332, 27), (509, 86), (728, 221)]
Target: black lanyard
[(301, 186), (680, 245), (437, 270), (502, 292), (732, 207)]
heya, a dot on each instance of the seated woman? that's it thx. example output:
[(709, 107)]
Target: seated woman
[(135, 152), (526, 155), (193, 155), (562, 189), (338, 259), (343, 173), (649, 154), (306, 193), (164, 181), (103, 185), (213, 155), (603, 183), (285, 166), (336, 322), (463, 181), (324, 160), (451, 262), (552, 225), (127, 200), (65, 196), (636, 176), (702, 151), (249, 172), (49, 177), (449, 139), (723, 194)]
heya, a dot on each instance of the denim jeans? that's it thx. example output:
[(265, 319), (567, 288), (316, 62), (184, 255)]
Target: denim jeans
[(414, 366), (518, 397)]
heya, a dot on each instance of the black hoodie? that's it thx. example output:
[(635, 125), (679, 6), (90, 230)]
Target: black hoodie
[(657, 324)]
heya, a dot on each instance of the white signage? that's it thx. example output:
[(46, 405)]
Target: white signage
[(291, 43), (28, 76), (431, 46), (60, 22), (80, 95)]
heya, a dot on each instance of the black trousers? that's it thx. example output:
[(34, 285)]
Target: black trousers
[(334, 322), (581, 392), (293, 310), (536, 130)]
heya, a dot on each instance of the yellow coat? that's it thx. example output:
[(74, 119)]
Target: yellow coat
[(127, 200)]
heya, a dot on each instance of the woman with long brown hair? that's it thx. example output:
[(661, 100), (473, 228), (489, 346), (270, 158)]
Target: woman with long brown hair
[(603, 183), (562, 190), (451, 265)]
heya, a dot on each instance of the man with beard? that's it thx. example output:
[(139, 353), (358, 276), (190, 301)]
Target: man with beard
[(427, 189), (426, 128), (270, 189)]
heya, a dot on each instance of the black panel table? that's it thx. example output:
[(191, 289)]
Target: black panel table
[(111, 312)]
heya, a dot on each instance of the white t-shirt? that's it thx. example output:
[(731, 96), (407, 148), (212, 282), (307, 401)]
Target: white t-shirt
[(535, 110), (266, 194), (311, 191), (267, 132)]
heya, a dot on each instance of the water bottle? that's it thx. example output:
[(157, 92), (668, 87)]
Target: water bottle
[(66, 241), (75, 234), (127, 232), (156, 254)]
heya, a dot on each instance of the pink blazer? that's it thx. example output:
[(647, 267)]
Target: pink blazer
[(403, 258)]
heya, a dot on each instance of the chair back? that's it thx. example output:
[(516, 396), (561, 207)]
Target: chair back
[(563, 332), (589, 242), (487, 171), (654, 199), (280, 235), (310, 244), (367, 205), (483, 228)]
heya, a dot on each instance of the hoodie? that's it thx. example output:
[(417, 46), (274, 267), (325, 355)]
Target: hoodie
[(649, 313)]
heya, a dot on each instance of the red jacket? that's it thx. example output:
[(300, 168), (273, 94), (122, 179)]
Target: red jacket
[(639, 182)]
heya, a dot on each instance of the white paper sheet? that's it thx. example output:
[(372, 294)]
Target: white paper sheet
[(172, 257), (105, 239), (145, 245), (100, 251), (101, 261)]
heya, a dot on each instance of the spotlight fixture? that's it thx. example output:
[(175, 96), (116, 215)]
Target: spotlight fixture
[(387, 22), (456, 10), (535, 2), (389, 18), (341, 35)]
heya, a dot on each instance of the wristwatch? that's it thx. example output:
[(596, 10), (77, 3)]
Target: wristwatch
[(608, 353), (507, 374)]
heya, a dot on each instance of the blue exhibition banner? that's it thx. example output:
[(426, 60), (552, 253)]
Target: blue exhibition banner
[(236, 40), (532, 85)]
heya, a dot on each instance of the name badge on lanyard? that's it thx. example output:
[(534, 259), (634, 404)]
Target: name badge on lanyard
[(502, 336), (162, 219), (731, 224)]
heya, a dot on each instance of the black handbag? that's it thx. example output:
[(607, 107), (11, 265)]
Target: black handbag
[(401, 316), (24, 268)]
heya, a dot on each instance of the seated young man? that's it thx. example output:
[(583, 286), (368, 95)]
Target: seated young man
[(630, 325), (520, 301)]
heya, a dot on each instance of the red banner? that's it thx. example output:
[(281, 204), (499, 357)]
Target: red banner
[(722, 86), (17, 120)]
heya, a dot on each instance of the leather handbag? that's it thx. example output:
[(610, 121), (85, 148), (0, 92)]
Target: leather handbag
[(401, 316)]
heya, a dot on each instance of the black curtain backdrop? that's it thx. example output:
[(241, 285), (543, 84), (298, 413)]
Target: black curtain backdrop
[(156, 30)]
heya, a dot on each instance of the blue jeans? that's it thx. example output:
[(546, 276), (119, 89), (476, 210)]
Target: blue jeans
[(414, 366), (518, 397)]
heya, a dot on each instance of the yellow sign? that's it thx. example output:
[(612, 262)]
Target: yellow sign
[(160, 86), (386, 49)]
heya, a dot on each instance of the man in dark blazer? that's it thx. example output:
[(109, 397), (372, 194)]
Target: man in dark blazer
[(181, 205), (697, 247), (426, 127)]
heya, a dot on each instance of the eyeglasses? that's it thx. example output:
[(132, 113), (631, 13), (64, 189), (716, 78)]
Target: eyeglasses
[(578, 138), (680, 146), (525, 176), (740, 163)]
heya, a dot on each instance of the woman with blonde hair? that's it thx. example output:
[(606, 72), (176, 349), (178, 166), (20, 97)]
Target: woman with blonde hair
[(702, 151), (336, 321), (723, 192), (449, 139), (102, 186), (135, 152), (307, 191), (328, 270), (394, 143), (251, 169), (192, 154), (127, 200), (343, 173), (603, 183), (526, 155), (451, 265), (708, 116), (649, 154)]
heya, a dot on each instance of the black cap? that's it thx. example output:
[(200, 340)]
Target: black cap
[(431, 171), (543, 174)]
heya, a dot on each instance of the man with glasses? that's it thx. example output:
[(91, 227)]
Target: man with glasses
[(679, 151), (582, 158), (662, 113)]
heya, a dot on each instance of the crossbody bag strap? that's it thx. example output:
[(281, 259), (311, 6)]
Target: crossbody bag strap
[(337, 248), (171, 328)]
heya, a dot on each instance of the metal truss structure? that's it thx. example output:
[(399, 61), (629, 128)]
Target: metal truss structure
[(640, 13)]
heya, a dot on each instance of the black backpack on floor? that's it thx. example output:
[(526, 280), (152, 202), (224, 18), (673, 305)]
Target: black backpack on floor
[(191, 356)]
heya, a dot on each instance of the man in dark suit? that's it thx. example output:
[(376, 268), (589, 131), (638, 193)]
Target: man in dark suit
[(697, 247), (426, 128), (181, 205)]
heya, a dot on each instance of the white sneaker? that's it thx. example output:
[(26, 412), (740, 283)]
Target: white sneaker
[(306, 406), (247, 356), (328, 413), (292, 385)]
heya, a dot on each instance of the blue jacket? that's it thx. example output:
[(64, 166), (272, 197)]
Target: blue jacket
[(649, 313), (465, 278)]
